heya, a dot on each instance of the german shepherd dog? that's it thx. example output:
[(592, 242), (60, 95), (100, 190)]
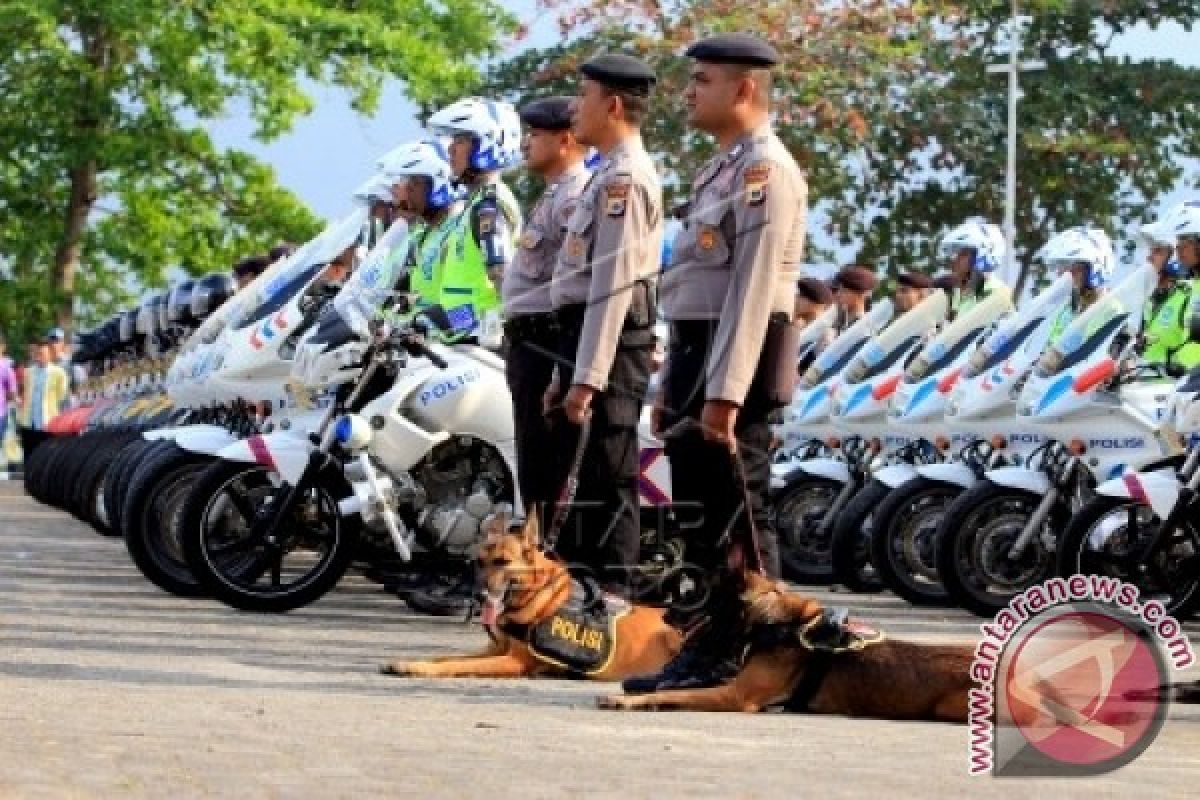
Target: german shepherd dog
[(887, 680), (522, 588)]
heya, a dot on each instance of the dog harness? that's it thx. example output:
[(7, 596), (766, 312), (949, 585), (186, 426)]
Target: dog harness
[(580, 637), (826, 637)]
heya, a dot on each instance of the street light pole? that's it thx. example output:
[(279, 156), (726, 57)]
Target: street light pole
[(1010, 179)]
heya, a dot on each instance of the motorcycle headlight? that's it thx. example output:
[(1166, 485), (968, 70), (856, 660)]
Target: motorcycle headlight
[(352, 432)]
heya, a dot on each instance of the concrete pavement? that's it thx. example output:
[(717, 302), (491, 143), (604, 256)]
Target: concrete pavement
[(110, 688)]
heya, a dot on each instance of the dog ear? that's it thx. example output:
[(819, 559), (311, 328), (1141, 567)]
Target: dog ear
[(798, 607), (531, 533)]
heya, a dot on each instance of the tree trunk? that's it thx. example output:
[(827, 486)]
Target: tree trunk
[(70, 246)]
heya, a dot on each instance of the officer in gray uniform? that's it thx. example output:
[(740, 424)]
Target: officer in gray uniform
[(603, 299), (551, 152), (729, 297)]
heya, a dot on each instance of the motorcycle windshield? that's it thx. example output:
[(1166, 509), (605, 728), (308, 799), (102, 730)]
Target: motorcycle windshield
[(1094, 329), (371, 285), (945, 349), (1027, 330), (886, 349), (275, 287), (838, 354)]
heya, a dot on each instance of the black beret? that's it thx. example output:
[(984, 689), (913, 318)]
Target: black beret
[(734, 48), (856, 279), (815, 291), (548, 113), (254, 265), (914, 280), (619, 71)]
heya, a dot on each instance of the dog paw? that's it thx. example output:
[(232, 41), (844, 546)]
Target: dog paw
[(402, 669), (617, 702)]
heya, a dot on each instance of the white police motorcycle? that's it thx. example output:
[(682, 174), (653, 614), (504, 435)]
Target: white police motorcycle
[(1101, 418), (418, 446), (977, 418), (1144, 527), (805, 483)]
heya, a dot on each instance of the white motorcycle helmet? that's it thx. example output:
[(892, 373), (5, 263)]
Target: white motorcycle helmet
[(377, 188), (427, 159), (494, 125), (1090, 246), (1184, 220), (984, 239)]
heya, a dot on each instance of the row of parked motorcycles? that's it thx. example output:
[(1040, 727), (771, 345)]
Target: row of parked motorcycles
[(254, 445), (963, 463)]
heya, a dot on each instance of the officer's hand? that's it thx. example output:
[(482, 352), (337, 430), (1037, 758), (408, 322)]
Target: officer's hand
[(717, 421), (578, 405)]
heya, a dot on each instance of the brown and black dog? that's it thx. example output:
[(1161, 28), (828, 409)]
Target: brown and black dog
[(888, 680), (524, 588)]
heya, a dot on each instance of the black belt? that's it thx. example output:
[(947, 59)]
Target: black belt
[(691, 331), (535, 327)]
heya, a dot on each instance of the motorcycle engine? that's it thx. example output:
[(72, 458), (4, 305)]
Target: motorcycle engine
[(464, 481)]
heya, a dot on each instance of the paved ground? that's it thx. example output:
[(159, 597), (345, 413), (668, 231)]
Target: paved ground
[(109, 688)]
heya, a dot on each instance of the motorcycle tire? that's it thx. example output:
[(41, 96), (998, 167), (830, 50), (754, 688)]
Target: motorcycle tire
[(850, 544), (91, 484), (796, 512), (904, 542), (1078, 553), (153, 500), (124, 468), (232, 571), (976, 531)]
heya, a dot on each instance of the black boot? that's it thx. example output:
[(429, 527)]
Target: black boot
[(447, 600), (711, 655)]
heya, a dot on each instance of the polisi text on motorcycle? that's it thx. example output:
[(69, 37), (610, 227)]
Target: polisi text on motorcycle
[(449, 386)]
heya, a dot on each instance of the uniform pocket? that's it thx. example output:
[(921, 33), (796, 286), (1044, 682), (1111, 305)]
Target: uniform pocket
[(709, 246), (533, 242), (579, 237)]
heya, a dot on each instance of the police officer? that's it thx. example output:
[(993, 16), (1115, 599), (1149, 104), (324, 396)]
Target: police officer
[(729, 297), (603, 298), (1164, 320), (852, 288), (1185, 221), (911, 289), (974, 251), (485, 138), (424, 192), (813, 298), (552, 153)]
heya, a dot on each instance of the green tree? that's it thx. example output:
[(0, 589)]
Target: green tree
[(890, 110), (109, 177)]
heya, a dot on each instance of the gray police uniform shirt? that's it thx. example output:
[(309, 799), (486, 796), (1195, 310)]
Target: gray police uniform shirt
[(526, 288), (614, 239), (737, 257)]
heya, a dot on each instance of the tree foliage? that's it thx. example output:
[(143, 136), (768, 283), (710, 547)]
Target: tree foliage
[(890, 109), (109, 177)]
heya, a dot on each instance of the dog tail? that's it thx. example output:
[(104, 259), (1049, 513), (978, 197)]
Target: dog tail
[(1188, 692)]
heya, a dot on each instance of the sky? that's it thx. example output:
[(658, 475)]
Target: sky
[(333, 150)]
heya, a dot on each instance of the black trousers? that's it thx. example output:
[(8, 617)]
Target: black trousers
[(702, 472), (530, 367), (602, 532)]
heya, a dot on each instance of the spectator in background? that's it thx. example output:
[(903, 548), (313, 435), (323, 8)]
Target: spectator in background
[(8, 393), (911, 289), (281, 250), (60, 353), (813, 296), (246, 270), (46, 393)]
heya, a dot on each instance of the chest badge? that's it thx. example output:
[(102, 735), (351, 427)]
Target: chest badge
[(528, 239), (707, 238), (575, 246)]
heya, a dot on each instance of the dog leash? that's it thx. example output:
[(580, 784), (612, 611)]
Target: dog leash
[(739, 475), (566, 497)]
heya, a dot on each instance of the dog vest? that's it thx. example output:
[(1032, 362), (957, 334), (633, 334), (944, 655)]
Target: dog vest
[(580, 636)]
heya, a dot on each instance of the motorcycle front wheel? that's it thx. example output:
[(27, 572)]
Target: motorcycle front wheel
[(305, 557), (797, 512), (973, 542), (1106, 533), (904, 542)]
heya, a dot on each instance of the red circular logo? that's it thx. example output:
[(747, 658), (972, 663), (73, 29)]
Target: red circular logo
[(1081, 686)]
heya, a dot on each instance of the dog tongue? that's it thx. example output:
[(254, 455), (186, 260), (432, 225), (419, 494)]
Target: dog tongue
[(490, 612)]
